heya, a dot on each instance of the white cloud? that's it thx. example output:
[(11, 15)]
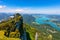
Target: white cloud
[(2, 6), (44, 11), (12, 10), (32, 10), (19, 10)]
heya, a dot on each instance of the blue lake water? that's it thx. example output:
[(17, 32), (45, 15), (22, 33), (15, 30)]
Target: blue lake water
[(44, 20)]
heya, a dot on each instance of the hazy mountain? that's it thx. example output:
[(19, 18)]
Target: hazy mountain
[(28, 18), (5, 15)]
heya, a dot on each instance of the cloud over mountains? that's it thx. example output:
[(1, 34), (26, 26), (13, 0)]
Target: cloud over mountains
[(6, 9)]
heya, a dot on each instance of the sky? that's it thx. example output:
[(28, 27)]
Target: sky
[(30, 6)]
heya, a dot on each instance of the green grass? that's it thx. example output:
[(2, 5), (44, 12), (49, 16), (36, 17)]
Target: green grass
[(2, 37)]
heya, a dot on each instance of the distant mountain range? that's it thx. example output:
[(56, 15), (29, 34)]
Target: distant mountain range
[(29, 18), (5, 15)]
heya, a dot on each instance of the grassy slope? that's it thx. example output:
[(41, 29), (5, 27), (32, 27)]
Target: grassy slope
[(41, 36), (2, 37), (31, 32)]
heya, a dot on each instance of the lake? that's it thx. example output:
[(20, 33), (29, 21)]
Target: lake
[(45, 20)]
